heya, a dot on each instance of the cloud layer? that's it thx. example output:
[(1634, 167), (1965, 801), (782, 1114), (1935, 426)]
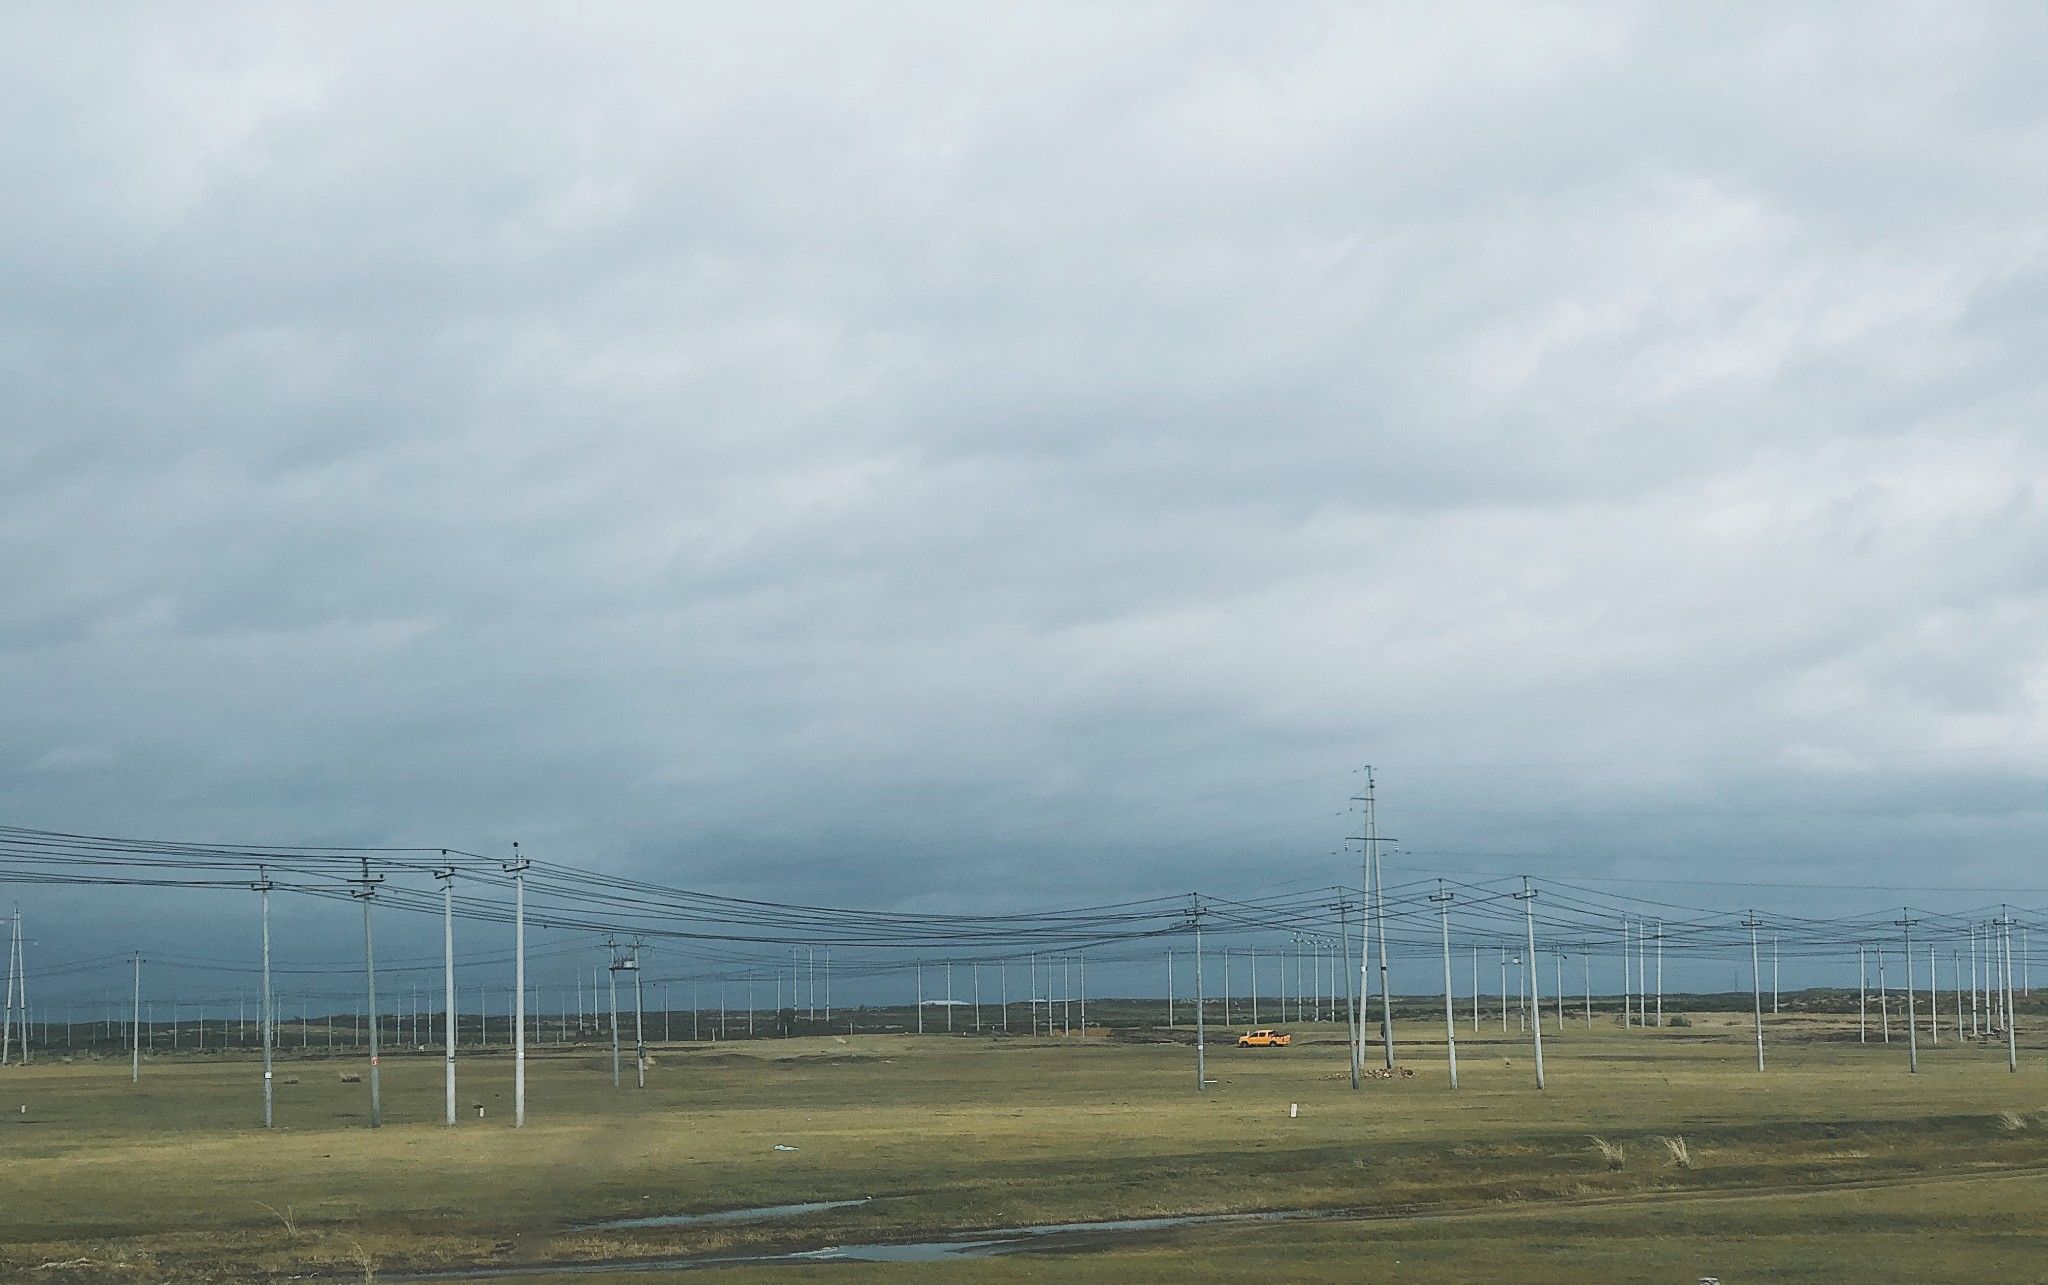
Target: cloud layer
[(953, 456)]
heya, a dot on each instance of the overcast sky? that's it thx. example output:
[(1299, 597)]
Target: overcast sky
[(979, 455)]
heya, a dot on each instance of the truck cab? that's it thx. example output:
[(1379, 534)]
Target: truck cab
[(1264, 1039)]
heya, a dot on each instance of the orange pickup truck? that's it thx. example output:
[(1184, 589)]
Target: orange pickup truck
[(1263, 1039)]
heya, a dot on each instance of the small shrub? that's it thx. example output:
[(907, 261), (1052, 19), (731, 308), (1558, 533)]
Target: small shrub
[(1678, 1019), (1615, 1155)]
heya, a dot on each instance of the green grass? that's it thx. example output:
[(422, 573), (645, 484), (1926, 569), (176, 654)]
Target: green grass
[(1833, 1150)]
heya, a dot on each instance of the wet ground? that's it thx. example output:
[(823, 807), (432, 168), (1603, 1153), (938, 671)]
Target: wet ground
[(1043, 1238)]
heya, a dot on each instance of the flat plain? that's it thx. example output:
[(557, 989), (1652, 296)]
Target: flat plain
[(1651, 1155)]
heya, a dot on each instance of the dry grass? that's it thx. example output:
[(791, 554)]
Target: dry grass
[(1675, 1147), (948, 1133)]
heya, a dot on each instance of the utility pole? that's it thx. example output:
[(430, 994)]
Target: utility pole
[(611, 970), (7, 1012), (135, 1027), (1774, 974), (1559, 955), (1933, 1000), (1756, 996), (1862, 1000), (263, 892), (1625, 1011), (1660, 974), (365, 892), (1955, 971), (1354, 1049), (1443, 900), (639, 1031), (1084, 996), (1642, 978), (1169, 988), (1975, 1029), (2012, 1047), (1884, 999), (1504, 990), (1527, 896), (1201, 1027), (517, 869), (446, 875), (1376, 915), (1912, 1020)]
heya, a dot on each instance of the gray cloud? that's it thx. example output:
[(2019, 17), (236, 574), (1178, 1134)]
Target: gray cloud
[(919, 461)]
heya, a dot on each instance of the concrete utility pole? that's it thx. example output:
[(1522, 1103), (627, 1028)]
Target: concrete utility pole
[(1862, 1000), (611, 971), (1443, 900), (1503, 991), (135, 1027), (1660, 974), (263, 892), (446, 875), (1955, 971), (1626, 1012), (1354, 1049), (517, 868), (1933, 1000), (1527, 896), (1169, 988), (20, 970), (365, 892), (1642, 977), (1976, 1030), (1201, 1028), (1083, 969), (2012, 1047), (1475, 990), (1756, 995), (1912, 1019), (1884, 1000), (7, 1012), (1559, 956), (639, 1031)]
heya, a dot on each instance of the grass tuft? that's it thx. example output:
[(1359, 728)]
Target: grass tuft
[(291, 1226), (2011, 1121), (1681, 1154), (1614, 1154)]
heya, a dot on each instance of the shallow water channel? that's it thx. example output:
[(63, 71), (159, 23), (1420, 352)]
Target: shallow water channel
[(1044, 1238)]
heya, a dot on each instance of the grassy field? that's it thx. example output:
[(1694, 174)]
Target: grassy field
[(1833, 1164)]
